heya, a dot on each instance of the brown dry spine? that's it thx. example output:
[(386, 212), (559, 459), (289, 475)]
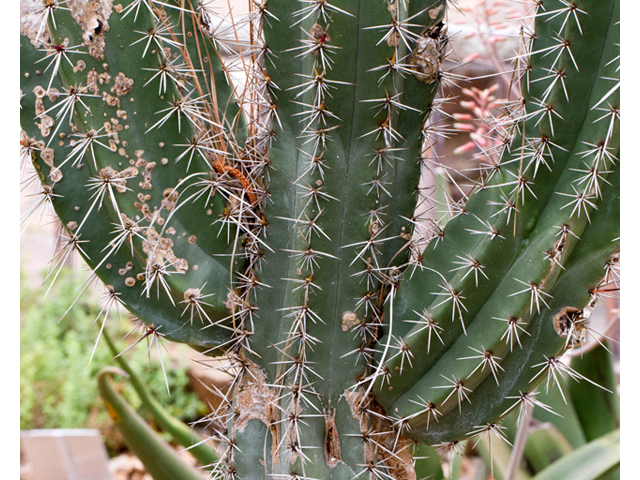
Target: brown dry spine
[(222, 168)]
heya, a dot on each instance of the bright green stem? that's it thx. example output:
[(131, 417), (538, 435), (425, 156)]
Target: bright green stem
[(181, 433), (162, 462)]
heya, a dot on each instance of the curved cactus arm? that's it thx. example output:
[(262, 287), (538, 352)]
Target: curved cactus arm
[(505, 256), (132, 153), (180, 432), (159, 459), (526, 367)]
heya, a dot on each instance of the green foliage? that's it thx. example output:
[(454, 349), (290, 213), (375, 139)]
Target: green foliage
[(57, 383)]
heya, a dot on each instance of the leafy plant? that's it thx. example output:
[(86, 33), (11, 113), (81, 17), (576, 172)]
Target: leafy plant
[(272, 221), (57, 387)]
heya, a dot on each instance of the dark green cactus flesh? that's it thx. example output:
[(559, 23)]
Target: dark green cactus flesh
[(272, 219)]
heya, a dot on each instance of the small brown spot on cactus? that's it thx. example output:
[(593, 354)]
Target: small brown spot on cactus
[(53, 94), (79, 66), (170, 195), (76, 208), (26, 74), (122, 85), (39, 92), (129, 281), (104, 78), (118, 179), (92, 81), (434, 12), (164, 161), (122, 272), (72, 225), (171, 231), (46, 123), (195, 267), (349, 320), (47, 156), (110, 100), (192, 239), (140, 276), (55, 175)]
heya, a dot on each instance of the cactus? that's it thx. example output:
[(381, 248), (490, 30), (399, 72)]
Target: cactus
[(273, 220)]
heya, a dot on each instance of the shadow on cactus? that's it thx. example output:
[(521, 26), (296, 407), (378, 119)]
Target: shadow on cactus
[(250, 187)]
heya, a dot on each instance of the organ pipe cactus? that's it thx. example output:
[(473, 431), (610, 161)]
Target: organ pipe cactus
[(279, 219)]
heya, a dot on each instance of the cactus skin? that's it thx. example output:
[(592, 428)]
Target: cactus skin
[(285, 240)]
